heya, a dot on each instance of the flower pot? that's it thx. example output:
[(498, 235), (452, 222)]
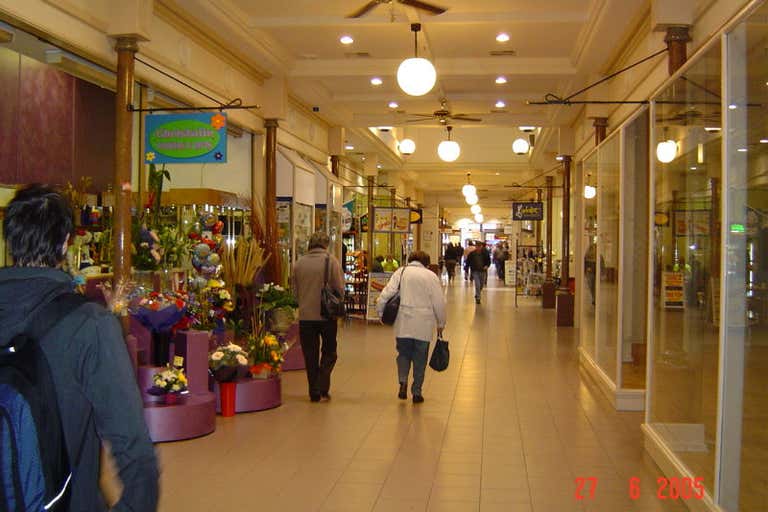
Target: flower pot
[(281, 319), (262, 374), (172, 398), (227, 392)]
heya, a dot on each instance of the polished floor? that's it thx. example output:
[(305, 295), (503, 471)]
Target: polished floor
[(510, 426)]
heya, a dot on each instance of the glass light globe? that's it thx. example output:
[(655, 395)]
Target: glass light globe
[(469, 190), (589, 191), (407, 146), (520, 146), (479, 218), (476, 209), (416, 76), (471, 200), (666, 151), (448, 150)]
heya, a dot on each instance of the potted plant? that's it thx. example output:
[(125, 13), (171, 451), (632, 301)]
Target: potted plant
[(169, 383), (225, 361), (278, 307)]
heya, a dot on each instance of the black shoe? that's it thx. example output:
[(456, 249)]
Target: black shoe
[(477, 301), (403, 394), (417, 399), (325, 397), (314, 398)]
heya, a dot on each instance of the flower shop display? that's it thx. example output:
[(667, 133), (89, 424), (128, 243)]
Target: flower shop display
[(159, 312), (266, 354), (210, 306), (169, 383)]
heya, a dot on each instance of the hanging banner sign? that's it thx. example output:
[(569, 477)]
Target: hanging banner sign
[(528, 211), (186, 138)]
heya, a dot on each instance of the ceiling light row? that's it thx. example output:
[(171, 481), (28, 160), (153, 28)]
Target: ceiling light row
[(346, 39)]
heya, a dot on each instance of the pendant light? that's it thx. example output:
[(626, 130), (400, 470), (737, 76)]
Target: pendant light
[(479, 218), (521, 146), (476, 209), (448, 150), (407, 147), (666, 151), (471, 200), (468, 189), (589, 192), (416, 76)]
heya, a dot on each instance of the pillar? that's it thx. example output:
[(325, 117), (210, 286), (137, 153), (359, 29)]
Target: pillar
[(601, 129), (126, 48), (677, 40), (273, 271), (565, 300), (393, 203), (548, 288), (538, 222), (371, 190), (335, 165), (714, 227)]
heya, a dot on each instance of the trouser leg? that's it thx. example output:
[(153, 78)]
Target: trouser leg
[(404, 357), (309, 335), (420, 355), (328, 356), (477, 278)]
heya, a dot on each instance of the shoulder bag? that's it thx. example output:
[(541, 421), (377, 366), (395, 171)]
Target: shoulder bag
[(331, 301), (392, 306)]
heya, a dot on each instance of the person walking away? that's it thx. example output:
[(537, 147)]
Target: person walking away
[(479, 261), (422, 309), (308, 281), (496, 256), (470, 248), (451, 258), (90, 369)]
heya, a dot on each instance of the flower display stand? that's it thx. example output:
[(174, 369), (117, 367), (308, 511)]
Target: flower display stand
[(254, 394), (195, 414), (294, 357)]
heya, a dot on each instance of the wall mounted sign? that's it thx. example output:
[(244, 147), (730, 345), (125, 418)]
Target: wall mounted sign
[(528, 211), (416, 216), (186, 138), (391, 220)]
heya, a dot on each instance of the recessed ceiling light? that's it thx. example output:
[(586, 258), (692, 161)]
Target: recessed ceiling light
[(559, 158), (346, 40), (763, 141), (711, 128), (393, 104), (500, 104), (379, 166), (742, 150), (526, 129), (502, 37), (498, 174), (693, 167), (501, 80), (733, 106), (349, 147), (376, 81)]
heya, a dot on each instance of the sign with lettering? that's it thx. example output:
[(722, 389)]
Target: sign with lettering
[(528, 211), (672, 284), (186, 138)]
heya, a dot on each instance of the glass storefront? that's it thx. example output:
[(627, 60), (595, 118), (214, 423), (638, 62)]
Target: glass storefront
[(686, 264), (589, 245)]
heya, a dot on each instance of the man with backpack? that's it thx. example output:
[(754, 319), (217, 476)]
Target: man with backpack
[(66, 381)]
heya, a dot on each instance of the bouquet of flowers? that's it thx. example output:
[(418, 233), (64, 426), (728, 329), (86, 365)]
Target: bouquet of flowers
[(225, 360), (267, 354), (211, 306), (169, 380)]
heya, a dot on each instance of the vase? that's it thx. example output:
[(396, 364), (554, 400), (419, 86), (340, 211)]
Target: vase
[(281, 319), (172, 398), (262, 374), (227, 394)]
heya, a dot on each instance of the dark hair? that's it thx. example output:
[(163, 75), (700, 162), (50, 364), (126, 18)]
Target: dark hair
[(37, 222), (419, 256), (319, 240)]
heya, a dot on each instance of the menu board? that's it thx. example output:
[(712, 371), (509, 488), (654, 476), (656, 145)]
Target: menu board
[(391, 220), (672, 290), (377, 281)]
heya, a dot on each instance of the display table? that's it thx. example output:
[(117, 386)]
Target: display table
[(294, 357), (254, 394), (194, 416)]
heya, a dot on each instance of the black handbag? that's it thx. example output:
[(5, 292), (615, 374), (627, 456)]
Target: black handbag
[(441, 356), (389, 315), (331, 301)]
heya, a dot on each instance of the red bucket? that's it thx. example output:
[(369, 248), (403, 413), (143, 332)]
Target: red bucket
[(227, 391)]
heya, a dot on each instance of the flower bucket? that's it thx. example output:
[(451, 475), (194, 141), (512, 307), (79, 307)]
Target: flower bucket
[(225, 373), (227, 392), (172, 398)]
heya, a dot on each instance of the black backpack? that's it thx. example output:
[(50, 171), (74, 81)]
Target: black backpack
[(35, 474)]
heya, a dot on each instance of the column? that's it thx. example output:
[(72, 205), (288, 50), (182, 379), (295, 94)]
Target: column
[(126, 48), (273, 271), (677, 39), (371, 191), (538, 222), (335, 165), (565, 300), (548, 288), (601, 128)]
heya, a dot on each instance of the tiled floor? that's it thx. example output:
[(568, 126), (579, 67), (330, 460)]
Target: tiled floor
[(508, 427)]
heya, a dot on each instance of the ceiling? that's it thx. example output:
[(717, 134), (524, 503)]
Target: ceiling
[(555, 46)]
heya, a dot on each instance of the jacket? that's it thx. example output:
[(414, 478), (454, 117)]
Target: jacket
[(422, 303), (479, 259), (308, 275), (95, 386)]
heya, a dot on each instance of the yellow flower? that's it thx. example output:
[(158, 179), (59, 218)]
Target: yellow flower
[(151, 156), (215, 283)]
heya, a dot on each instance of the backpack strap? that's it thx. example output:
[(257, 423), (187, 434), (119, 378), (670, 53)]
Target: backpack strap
[(325, 279)]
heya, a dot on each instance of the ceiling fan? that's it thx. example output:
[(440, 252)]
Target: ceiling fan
[(443, 115), (424, 6)]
